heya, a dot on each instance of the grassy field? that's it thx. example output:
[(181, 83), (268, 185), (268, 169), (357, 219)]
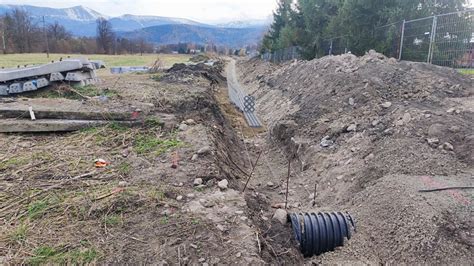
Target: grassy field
[(12, 60), (467, 71)]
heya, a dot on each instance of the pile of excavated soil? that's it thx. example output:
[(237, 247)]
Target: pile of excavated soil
[(183, 72), (370, 132)]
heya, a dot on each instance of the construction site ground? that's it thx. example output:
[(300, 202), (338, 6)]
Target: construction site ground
[(362, 135)]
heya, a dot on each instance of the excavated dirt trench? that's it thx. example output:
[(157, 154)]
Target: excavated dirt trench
[(379, 185)]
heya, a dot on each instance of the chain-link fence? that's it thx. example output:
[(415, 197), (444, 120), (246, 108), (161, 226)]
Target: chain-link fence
[(282, 55), (445, 40)]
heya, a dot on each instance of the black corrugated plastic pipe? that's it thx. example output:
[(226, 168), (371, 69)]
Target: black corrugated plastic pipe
[(321, 232)]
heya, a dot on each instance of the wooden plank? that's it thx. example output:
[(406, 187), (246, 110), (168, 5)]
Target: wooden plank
[(19, 112), (54, 125)]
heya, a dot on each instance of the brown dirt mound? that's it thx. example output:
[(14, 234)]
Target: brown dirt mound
[(370, 132)]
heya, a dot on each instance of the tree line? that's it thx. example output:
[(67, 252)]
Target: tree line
[(20, 34), (310, 23)]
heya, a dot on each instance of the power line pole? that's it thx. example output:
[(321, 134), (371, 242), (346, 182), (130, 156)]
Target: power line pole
[(4, 43), (46, 38)]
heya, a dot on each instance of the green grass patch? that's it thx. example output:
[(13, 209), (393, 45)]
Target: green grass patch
[(37, 209), (466, 71), (153, 122), (157, 77), (51, 255), (112, 220), (124, 168), (14, 162), (164, 220), (19, 234), (145, 144)]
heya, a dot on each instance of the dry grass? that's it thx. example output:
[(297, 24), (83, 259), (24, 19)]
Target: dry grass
[(52, 190)]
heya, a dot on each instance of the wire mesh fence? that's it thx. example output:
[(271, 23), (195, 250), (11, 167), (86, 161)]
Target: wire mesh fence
[(444, 40), (283, 55)]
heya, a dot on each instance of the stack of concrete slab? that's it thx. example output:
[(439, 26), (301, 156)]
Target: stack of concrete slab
[(74, 71), (128, 69)]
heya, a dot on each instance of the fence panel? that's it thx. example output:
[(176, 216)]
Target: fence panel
[(453, 41), (445, 40), (416, 40), (388, 39)]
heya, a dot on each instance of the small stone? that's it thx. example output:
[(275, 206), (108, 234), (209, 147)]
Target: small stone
[(326, 142), (125, 153), (451, 110), (220, 227), (340, 177), (244, 218), (270, 184), (204, 150), (195, 157), (179, 198), (207, 203), (406, 118), (190, 196), (351, 101), (370, 156), (265, 218), (238, 255), (198, 181), (386, 104), (223, 184), (388, 131), (181, 184), (183, 127), (239, 212), (123, 184), (190, 122), (455, 129), (194, 246), (352, 127), (202, 260), (432, 141), (448, 146), (281, 216), (427, 115), (375, 122)]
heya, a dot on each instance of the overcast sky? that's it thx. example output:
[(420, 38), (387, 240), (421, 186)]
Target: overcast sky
[(201, 10)]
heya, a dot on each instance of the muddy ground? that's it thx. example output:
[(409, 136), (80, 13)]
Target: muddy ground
[(56, 207)]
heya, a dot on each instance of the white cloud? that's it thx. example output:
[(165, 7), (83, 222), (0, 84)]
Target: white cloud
[(201, 10)]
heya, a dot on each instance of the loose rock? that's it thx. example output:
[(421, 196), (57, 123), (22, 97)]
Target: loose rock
[(386, 104), (183, 127), (448, 146), (223, 184), (352, 127), (281, 216), (204, 150), (198, 181)]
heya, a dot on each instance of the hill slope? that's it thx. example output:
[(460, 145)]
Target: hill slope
[(170, 34)]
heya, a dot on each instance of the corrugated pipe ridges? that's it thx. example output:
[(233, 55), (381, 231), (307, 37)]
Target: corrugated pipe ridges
[(320, 232)]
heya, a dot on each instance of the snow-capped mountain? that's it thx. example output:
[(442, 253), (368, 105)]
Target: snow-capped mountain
[(132, 22), (240, 24), (78, 13), (81, 21)]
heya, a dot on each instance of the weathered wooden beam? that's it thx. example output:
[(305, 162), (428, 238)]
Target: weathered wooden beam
[(54, 125)]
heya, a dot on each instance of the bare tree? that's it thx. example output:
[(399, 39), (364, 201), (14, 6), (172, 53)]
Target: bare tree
[(20, 30), (105, 35), (57, 35)]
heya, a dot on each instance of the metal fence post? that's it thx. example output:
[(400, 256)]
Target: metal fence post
[(432, 39), (401, 40)]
